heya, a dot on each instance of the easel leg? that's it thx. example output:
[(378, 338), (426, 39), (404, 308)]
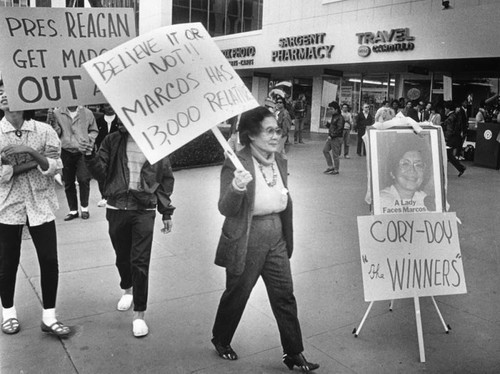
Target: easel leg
[(447, 328), (420, 333), (358, 330)]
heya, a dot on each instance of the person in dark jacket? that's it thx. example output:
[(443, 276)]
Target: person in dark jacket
[(413, 110), (363, 120), (106, 124), (463, 121), (334, 140), (134, 189), (257, 237), (452, 135)]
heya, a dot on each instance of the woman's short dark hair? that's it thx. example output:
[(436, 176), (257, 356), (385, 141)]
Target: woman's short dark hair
[(450, 105), (250, 123), (407, 143), (335, 106)]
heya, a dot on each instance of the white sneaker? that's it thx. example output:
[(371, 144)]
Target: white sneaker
[(102, 203)]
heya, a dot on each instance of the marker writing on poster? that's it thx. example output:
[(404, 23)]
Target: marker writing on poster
[(423, 273), (44, 57), (400, 231)]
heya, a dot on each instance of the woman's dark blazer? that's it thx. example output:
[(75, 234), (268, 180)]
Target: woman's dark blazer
[(237, 207)]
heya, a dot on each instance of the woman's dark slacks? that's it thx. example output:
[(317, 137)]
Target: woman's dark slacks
[(267, 257), (45, 240), (74, 167), (131, 233)]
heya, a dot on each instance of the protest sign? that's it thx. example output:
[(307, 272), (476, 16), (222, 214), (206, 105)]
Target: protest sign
[(43, 49), (410, 255), (169, 86)]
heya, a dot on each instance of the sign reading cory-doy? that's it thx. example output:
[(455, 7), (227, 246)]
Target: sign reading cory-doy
[(408, 255), (169, 86), (43, 49)]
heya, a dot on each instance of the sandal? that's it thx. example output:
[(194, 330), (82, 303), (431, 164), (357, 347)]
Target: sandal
[(224, 351), (57, 328), (11, 326)]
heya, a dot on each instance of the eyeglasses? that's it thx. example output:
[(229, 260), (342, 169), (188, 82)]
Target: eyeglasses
[(406, 165), (271, 131)]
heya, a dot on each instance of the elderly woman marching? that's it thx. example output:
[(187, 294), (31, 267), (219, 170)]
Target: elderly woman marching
[(257, 238)]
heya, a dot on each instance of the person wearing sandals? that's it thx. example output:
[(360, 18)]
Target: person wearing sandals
[(256, 239), (135, 189), (30, 157)]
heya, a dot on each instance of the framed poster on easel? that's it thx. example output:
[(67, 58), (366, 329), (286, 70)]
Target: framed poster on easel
[(409, 246)]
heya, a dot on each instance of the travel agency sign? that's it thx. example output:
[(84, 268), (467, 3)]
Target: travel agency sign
[(382, 41)]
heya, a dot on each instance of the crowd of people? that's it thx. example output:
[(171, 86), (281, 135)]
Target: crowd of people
[(72, 141), (452, 117), (257, 233)]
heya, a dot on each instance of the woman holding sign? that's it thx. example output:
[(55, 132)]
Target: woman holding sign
[(257, 237)]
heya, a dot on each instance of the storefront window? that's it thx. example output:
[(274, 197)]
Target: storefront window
[(220, 17), (375, 88), (329, 93), (350, 92)]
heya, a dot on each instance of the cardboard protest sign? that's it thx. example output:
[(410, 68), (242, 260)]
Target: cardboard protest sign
[(169, 86), (410, 255), (43, 49)]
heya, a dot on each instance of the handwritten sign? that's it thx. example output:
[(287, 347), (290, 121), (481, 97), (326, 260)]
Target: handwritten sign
[(408, 255), (169, 86), (43, 50)]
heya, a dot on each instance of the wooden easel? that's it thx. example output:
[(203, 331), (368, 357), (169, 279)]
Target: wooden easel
[(418, 319)]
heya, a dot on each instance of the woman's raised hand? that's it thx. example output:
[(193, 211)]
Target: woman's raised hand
[(242, 178)]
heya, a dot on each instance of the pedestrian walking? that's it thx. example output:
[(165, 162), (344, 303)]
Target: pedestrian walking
[(74, 124), (363, 120), (334, 140), (300, 108), (348, 124), (29, 159), (453, 135), (134, 189), (106, 124), (284, 123), (256, 238)]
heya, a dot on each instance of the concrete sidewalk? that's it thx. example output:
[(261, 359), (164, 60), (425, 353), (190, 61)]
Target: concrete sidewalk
[(185, 287)]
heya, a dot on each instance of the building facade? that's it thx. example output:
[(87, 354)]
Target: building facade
[(351, 51), (358, 51)]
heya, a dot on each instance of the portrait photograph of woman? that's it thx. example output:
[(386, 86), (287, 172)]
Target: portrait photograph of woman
[(406, 171)]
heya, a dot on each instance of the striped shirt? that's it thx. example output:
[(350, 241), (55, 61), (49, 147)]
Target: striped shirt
[(136, 160)]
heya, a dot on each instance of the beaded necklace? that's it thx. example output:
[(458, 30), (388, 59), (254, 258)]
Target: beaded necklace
[(271, 183)]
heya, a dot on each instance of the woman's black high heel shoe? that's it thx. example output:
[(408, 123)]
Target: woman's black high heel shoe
[(300, 361), (224, 351)]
